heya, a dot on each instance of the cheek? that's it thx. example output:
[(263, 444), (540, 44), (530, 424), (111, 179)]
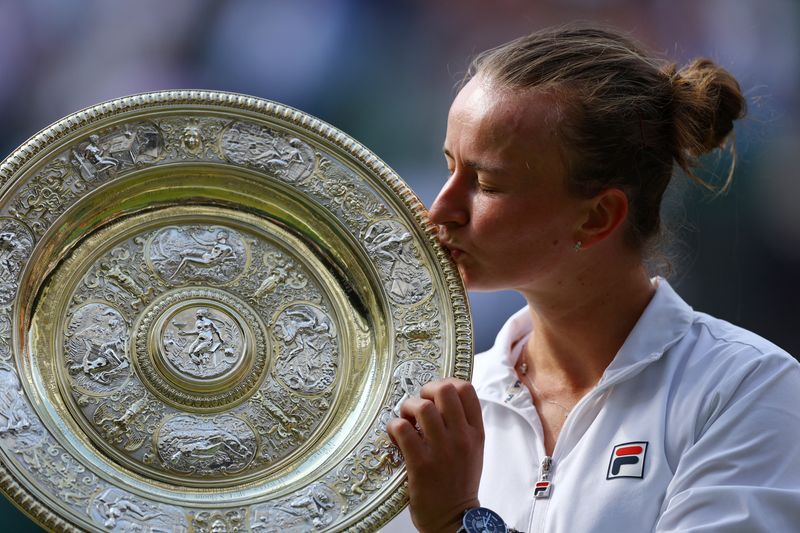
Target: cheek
[(491, 220)]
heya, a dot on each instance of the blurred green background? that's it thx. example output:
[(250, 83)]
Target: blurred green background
[(385, 72)]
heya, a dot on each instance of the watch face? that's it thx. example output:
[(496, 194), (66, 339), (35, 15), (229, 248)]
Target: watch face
[(482, 520)]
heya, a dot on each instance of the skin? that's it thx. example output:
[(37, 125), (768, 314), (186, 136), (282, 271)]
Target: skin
[(510, 222)]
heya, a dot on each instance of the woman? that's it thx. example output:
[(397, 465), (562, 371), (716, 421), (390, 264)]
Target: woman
[(608, 403)]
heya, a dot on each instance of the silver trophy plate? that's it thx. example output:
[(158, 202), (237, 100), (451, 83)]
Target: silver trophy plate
[(210, 307)]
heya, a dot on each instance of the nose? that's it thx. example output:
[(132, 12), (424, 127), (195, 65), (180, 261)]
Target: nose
[(451, 206)]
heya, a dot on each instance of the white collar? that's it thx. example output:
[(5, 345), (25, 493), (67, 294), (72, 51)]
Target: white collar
[(665, 320)]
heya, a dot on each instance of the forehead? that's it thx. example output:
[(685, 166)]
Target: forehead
[(485, 115)]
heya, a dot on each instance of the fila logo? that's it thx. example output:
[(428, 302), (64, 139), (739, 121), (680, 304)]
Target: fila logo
[(542, 489), (627, 460)]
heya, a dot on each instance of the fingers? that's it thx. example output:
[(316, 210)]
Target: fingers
[(471, 405), (444, 395), (457, 401), (426, 415), (407, 438)]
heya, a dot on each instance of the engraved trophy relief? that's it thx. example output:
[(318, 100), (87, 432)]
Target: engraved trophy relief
[(129, 146), (112, 279), (312, 508), (16, 243), (284, 421), (118, 511), (404, 276), (206, 446), (411, 376), (19, 427), (421, 332), (250, 144), (5, 335), (128, 421), (44, 197), (202, 342), (194, 253), (282, 271), (230, 521), (194, 138), (308, 348), (341, 190), (13, 418), (369, 468), (96, 348)]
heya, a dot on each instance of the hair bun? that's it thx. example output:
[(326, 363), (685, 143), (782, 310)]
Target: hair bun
[(707, 100)]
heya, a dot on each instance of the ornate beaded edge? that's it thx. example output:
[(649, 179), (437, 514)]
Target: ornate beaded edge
[(463, 338)]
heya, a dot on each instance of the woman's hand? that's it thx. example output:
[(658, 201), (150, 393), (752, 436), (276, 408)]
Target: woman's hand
[(444, 457)]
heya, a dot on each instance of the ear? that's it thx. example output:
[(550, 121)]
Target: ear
[(604, 214)]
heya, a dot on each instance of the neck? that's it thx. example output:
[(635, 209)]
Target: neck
[(579, 327)]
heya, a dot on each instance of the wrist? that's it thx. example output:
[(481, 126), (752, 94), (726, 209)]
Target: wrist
[(450, 522)]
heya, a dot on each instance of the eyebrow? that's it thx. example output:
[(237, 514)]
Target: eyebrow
[(481, 167)]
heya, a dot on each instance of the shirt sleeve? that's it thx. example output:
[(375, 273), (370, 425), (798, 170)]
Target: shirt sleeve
[(741, 470)]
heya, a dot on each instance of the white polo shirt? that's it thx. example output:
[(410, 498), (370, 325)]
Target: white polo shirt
[(694, 426)]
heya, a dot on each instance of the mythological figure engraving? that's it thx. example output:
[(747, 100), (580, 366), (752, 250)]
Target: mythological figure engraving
[(210, 253), (129, 146), (91, 160), (12, 407), (404, 276), (206, 447), (115, 279), (212, 345), (96, 347), (253, 145), (192, 138), (309, 351), (119, 511), (208, 338), (124, 281), (316, 506), (16, 243), (196, 253)]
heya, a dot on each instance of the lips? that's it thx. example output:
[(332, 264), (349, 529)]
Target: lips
[(454, 252), (448, 243)]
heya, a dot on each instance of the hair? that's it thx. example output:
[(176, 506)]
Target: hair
[(627, 118)]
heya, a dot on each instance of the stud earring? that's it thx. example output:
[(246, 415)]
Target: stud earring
[(578, 246)]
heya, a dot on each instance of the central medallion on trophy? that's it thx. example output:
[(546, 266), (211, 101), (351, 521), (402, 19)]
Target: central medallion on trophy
[(200, 348), (201, 341)]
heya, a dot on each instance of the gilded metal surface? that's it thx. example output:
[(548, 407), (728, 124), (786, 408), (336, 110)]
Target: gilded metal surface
[(210, 307)]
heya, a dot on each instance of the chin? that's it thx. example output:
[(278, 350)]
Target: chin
[(477, 281), (476, 284)]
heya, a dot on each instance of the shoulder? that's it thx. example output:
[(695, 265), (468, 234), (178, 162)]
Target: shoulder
[(725, 372), (715, 344)]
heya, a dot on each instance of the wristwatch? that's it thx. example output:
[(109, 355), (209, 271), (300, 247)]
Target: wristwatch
[(483, 520)]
